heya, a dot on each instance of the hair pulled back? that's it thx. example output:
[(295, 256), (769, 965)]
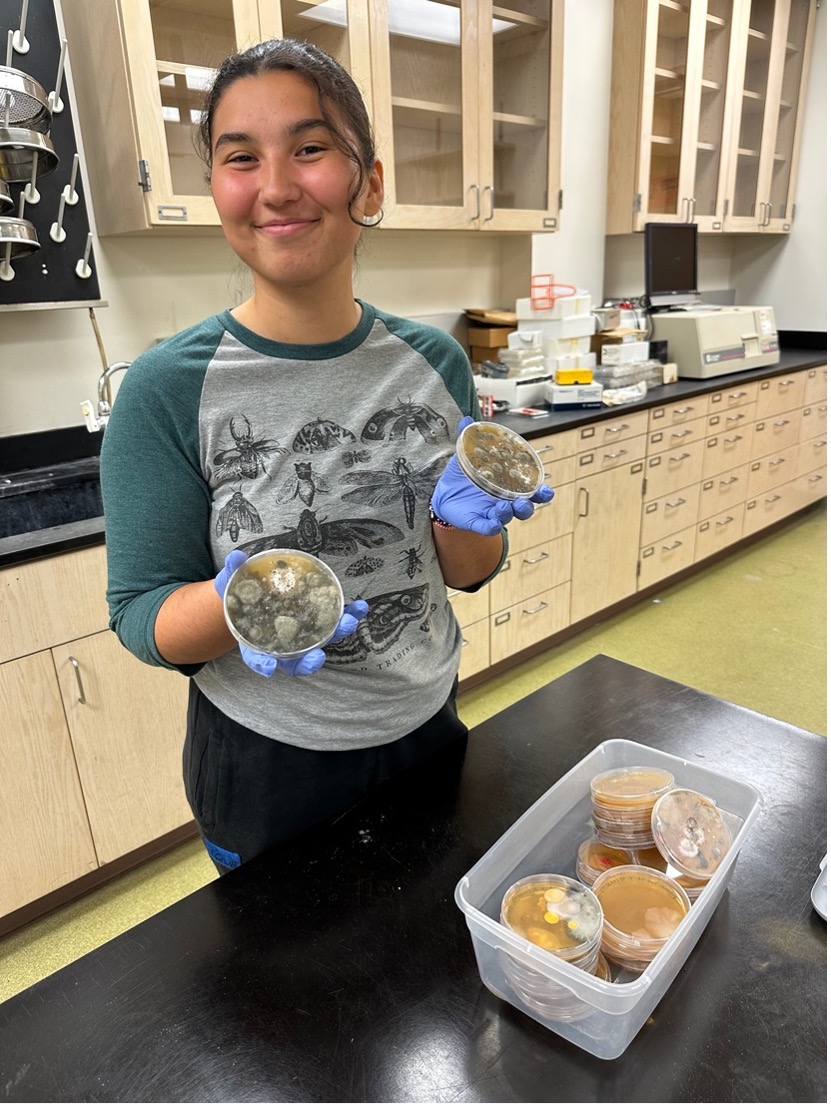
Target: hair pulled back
[(341, 103)]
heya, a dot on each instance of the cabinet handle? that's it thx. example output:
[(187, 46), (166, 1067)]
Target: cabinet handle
[(727, 483), (81, 696), (617, 453), (678, 503), (465, 642), (681, 433), (535, 560), (725, 522), (475, 188), (679, 458), (585, 492), (782, 422), (691, 219), (772, 498), (813, 479), (543, 449), (735, 418), (669, 548), (736, 395), (616, 429), (536, 610), (823, 408), (785, 383), (735, 438), (761, 213), (682, 410), (820, 445), (488, 190), (778, 461)]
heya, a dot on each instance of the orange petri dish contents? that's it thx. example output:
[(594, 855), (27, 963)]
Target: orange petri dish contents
[(555, 912), (642, 908)]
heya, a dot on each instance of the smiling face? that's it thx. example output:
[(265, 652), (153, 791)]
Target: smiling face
[(282, 186)]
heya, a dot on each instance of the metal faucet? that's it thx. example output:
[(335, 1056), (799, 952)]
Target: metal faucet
[(97, 419)]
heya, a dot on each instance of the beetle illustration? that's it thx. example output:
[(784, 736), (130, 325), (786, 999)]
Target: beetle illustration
[(412, 560), (247, 456)]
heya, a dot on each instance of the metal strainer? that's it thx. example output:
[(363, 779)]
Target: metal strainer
[(23, 102), (18, 147)]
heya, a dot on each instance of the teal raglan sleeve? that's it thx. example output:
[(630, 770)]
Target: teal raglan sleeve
[(156, 500)]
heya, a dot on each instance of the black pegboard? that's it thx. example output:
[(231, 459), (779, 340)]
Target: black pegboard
[(48, 276)]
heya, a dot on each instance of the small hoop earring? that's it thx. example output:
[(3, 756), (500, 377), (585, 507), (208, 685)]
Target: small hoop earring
[(372, 220)]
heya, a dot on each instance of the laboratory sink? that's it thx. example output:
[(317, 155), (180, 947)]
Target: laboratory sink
[(38, 498)]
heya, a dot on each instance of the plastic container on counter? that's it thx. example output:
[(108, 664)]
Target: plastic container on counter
[(546, 838), (283, 602), (499, 461)]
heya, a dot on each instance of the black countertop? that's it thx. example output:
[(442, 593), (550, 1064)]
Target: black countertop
[(340, 969), (90, 531)]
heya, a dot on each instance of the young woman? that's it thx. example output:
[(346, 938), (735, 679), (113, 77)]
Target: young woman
[(301, 419)]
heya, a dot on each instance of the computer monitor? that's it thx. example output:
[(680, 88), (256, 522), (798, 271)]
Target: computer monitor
[(671, 263)]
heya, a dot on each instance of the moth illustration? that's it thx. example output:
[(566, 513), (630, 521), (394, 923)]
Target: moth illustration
[(379, 488), (247, 457), (303, 485), (341, 538), (355, 457), (391, 424), (319, 435), (238, 514), (388, 616), (363, 566), (412, 560)]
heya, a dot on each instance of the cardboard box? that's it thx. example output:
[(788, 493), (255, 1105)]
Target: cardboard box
[(615, 337), (573, 376), (574, 395), (478, 354), (488, 335), (624, 353)]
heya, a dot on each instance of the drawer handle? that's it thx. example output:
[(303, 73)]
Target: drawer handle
[(735, 418), (681, 433), (783, 422), (669, 548), (678, 503), (680, 457), (778, 461), (736, 395), (616, 429), (81, 696), (617, 453), (813, 479), (465, 642), (726, 521), (786, 383), (820, 445), (535, 560), (823, 407), (773, 498), (581, 513), (543, 449), (682, 410), (727, 483), (536, 610), (735, 438)]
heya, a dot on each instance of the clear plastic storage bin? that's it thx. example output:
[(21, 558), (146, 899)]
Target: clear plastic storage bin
[(546, 838)]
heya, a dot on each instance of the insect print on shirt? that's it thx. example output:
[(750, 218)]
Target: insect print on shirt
[(363, 566), (238, 514), (341, 538), (391, 424), (247, 456), (412, 560), (388, 616), (379, 488), (319, 435), (355, 457), (303, 485)]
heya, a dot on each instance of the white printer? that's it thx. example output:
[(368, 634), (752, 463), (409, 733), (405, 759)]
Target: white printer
[(707, 341)]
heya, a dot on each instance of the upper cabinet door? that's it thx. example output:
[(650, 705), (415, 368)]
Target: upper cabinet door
[(520, 103), (770, 72)]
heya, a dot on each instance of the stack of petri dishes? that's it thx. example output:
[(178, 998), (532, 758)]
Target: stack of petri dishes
[(595, 857), (564, 917), (622, 800), (642, 908), (692, 837)]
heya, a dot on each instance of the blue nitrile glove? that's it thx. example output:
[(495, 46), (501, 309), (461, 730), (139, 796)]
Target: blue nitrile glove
[(310, 661), (457, 501)]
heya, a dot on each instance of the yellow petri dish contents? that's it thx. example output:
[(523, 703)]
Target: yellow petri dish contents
[(555, 912)]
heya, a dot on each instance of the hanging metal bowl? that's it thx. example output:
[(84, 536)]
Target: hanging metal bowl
[(18, 147), (6, 201), (20, 235), (23, 102)]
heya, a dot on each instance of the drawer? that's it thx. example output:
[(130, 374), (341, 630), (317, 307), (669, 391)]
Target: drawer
[(730, 418), (770, 507), (549, 520), (721, 492), (610, 456), (529, 622), (716, 533), (811, 486), (683, 410), (52, 601), (531, 571), (776, 433), (554, 447), (814, 421), (476, 649), (663, 558), (670, 437), (677, 468), (726, 451), (669, 514), (612, 430), (816, 385), (780, 393), (470, 606), (767, 472), (811, 455), (737, 396)]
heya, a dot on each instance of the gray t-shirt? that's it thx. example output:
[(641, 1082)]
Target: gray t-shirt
[(221, 439)]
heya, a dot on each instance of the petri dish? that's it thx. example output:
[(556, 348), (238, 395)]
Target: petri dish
[(499, 461), (630, 787), (642, 908), (653, 858), (557, 913), (595, 856), (283, 602), (690, 832)]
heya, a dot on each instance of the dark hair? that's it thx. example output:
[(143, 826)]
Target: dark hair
[(341, 103)]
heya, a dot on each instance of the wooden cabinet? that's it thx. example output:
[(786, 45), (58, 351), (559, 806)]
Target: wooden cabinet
[(467, 102), (91, 751), (472, 609), (706, 103)]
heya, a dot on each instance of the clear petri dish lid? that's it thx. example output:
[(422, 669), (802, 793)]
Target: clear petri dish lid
[(690, 832), (556, 912), (499, 461), (283, 602), (635, 786), (641, 908)]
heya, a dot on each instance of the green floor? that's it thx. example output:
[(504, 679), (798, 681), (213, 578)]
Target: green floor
[(751, 630)]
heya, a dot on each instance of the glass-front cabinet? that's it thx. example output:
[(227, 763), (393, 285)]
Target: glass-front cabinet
[(467, 100), (770, 75)]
